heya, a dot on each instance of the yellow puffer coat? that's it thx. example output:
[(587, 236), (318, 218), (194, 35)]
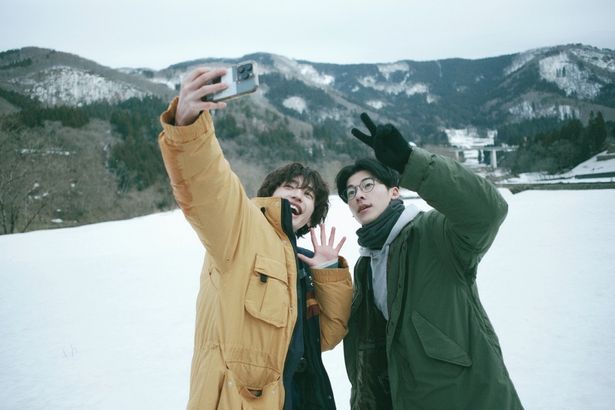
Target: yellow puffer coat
[(243, 324)]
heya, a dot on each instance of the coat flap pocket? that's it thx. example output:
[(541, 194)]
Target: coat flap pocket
[(437, 344), (271, 268), (268, 296)]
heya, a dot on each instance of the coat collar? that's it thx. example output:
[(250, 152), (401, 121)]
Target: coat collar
[(271, 207)]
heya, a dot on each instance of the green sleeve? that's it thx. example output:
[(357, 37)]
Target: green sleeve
[(473, 209)]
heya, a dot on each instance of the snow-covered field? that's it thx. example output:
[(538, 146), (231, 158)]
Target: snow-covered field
[(102, 316)]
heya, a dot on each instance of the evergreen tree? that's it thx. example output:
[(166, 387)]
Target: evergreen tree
[(596, 130)]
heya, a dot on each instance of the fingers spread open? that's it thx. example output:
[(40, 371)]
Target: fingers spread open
[(323, 234), (339, 245), (313, 238), (332, 237)]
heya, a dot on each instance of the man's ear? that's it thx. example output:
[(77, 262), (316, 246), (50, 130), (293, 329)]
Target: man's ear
[(394, 192)]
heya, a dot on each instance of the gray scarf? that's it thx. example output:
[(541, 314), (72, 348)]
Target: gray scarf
[(379, 257)]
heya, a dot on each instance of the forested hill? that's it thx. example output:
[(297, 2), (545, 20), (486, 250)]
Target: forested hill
[(78, 140)]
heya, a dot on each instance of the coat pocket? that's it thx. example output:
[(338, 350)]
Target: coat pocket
[(234, 396), (437, 344), (268, 296)]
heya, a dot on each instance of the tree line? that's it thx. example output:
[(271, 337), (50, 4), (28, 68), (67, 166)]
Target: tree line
[(556, 150), (135, 162)]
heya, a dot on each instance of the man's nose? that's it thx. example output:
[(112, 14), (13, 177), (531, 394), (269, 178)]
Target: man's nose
[(298, 194)]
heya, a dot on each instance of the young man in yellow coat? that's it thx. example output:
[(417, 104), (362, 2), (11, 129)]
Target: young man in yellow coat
[(266, 308)]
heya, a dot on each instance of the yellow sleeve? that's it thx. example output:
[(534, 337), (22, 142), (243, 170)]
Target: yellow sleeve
[(204, 186), (334, 295)]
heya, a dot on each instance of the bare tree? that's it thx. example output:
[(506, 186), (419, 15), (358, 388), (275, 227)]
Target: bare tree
[(21, 199)]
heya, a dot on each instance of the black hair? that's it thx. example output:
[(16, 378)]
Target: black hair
[(388, 176), (311, 178)]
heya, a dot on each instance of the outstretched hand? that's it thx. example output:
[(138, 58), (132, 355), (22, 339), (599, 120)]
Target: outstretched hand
[(325, 251), (389, 146), (196, 85)]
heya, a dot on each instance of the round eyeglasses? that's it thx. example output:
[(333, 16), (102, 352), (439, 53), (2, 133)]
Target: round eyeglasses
[(366, 185)]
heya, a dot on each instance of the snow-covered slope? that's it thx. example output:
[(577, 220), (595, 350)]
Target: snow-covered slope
[(62, 85), (102, 316), (569, 76)]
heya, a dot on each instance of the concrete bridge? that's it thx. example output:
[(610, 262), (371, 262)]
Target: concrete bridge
[(460, 152)]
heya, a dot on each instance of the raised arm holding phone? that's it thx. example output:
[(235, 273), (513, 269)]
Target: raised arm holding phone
[(266, 308)]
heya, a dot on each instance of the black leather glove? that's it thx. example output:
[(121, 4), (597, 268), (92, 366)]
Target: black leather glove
[(389, 145)]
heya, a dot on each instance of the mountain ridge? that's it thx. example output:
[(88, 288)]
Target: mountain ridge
[(303, 111), (422, 97)]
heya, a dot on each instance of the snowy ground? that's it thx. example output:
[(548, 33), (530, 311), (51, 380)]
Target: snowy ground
[(102, 316)]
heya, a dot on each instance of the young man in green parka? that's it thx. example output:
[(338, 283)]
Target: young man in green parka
[(418, 335)]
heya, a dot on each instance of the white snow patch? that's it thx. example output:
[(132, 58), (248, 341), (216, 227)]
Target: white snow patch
[(311, 73), (376, 104), (603, 59), (62, 85), (387, 69), (333, 114), (520, 61), (406, 87), (595, 165), (470, 137), (50, 151), (526, 110), (430, 98), (295, 103), (169, 82), (568, 76), (293, 69)]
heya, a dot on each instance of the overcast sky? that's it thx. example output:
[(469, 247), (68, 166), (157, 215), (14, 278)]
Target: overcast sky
[(156, 34)]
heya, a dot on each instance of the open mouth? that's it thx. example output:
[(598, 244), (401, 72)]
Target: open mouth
[(363, 208), (295, 209)]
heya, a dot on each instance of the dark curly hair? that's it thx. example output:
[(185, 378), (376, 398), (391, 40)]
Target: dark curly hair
[(311, 178)]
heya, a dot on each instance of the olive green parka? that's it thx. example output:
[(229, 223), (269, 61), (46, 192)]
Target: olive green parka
[(438, 349)]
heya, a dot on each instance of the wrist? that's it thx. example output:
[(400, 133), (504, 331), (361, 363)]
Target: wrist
[(182, 120), (330, 264)]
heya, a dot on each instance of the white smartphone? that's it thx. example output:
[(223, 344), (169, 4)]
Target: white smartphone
[(241, 79)]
